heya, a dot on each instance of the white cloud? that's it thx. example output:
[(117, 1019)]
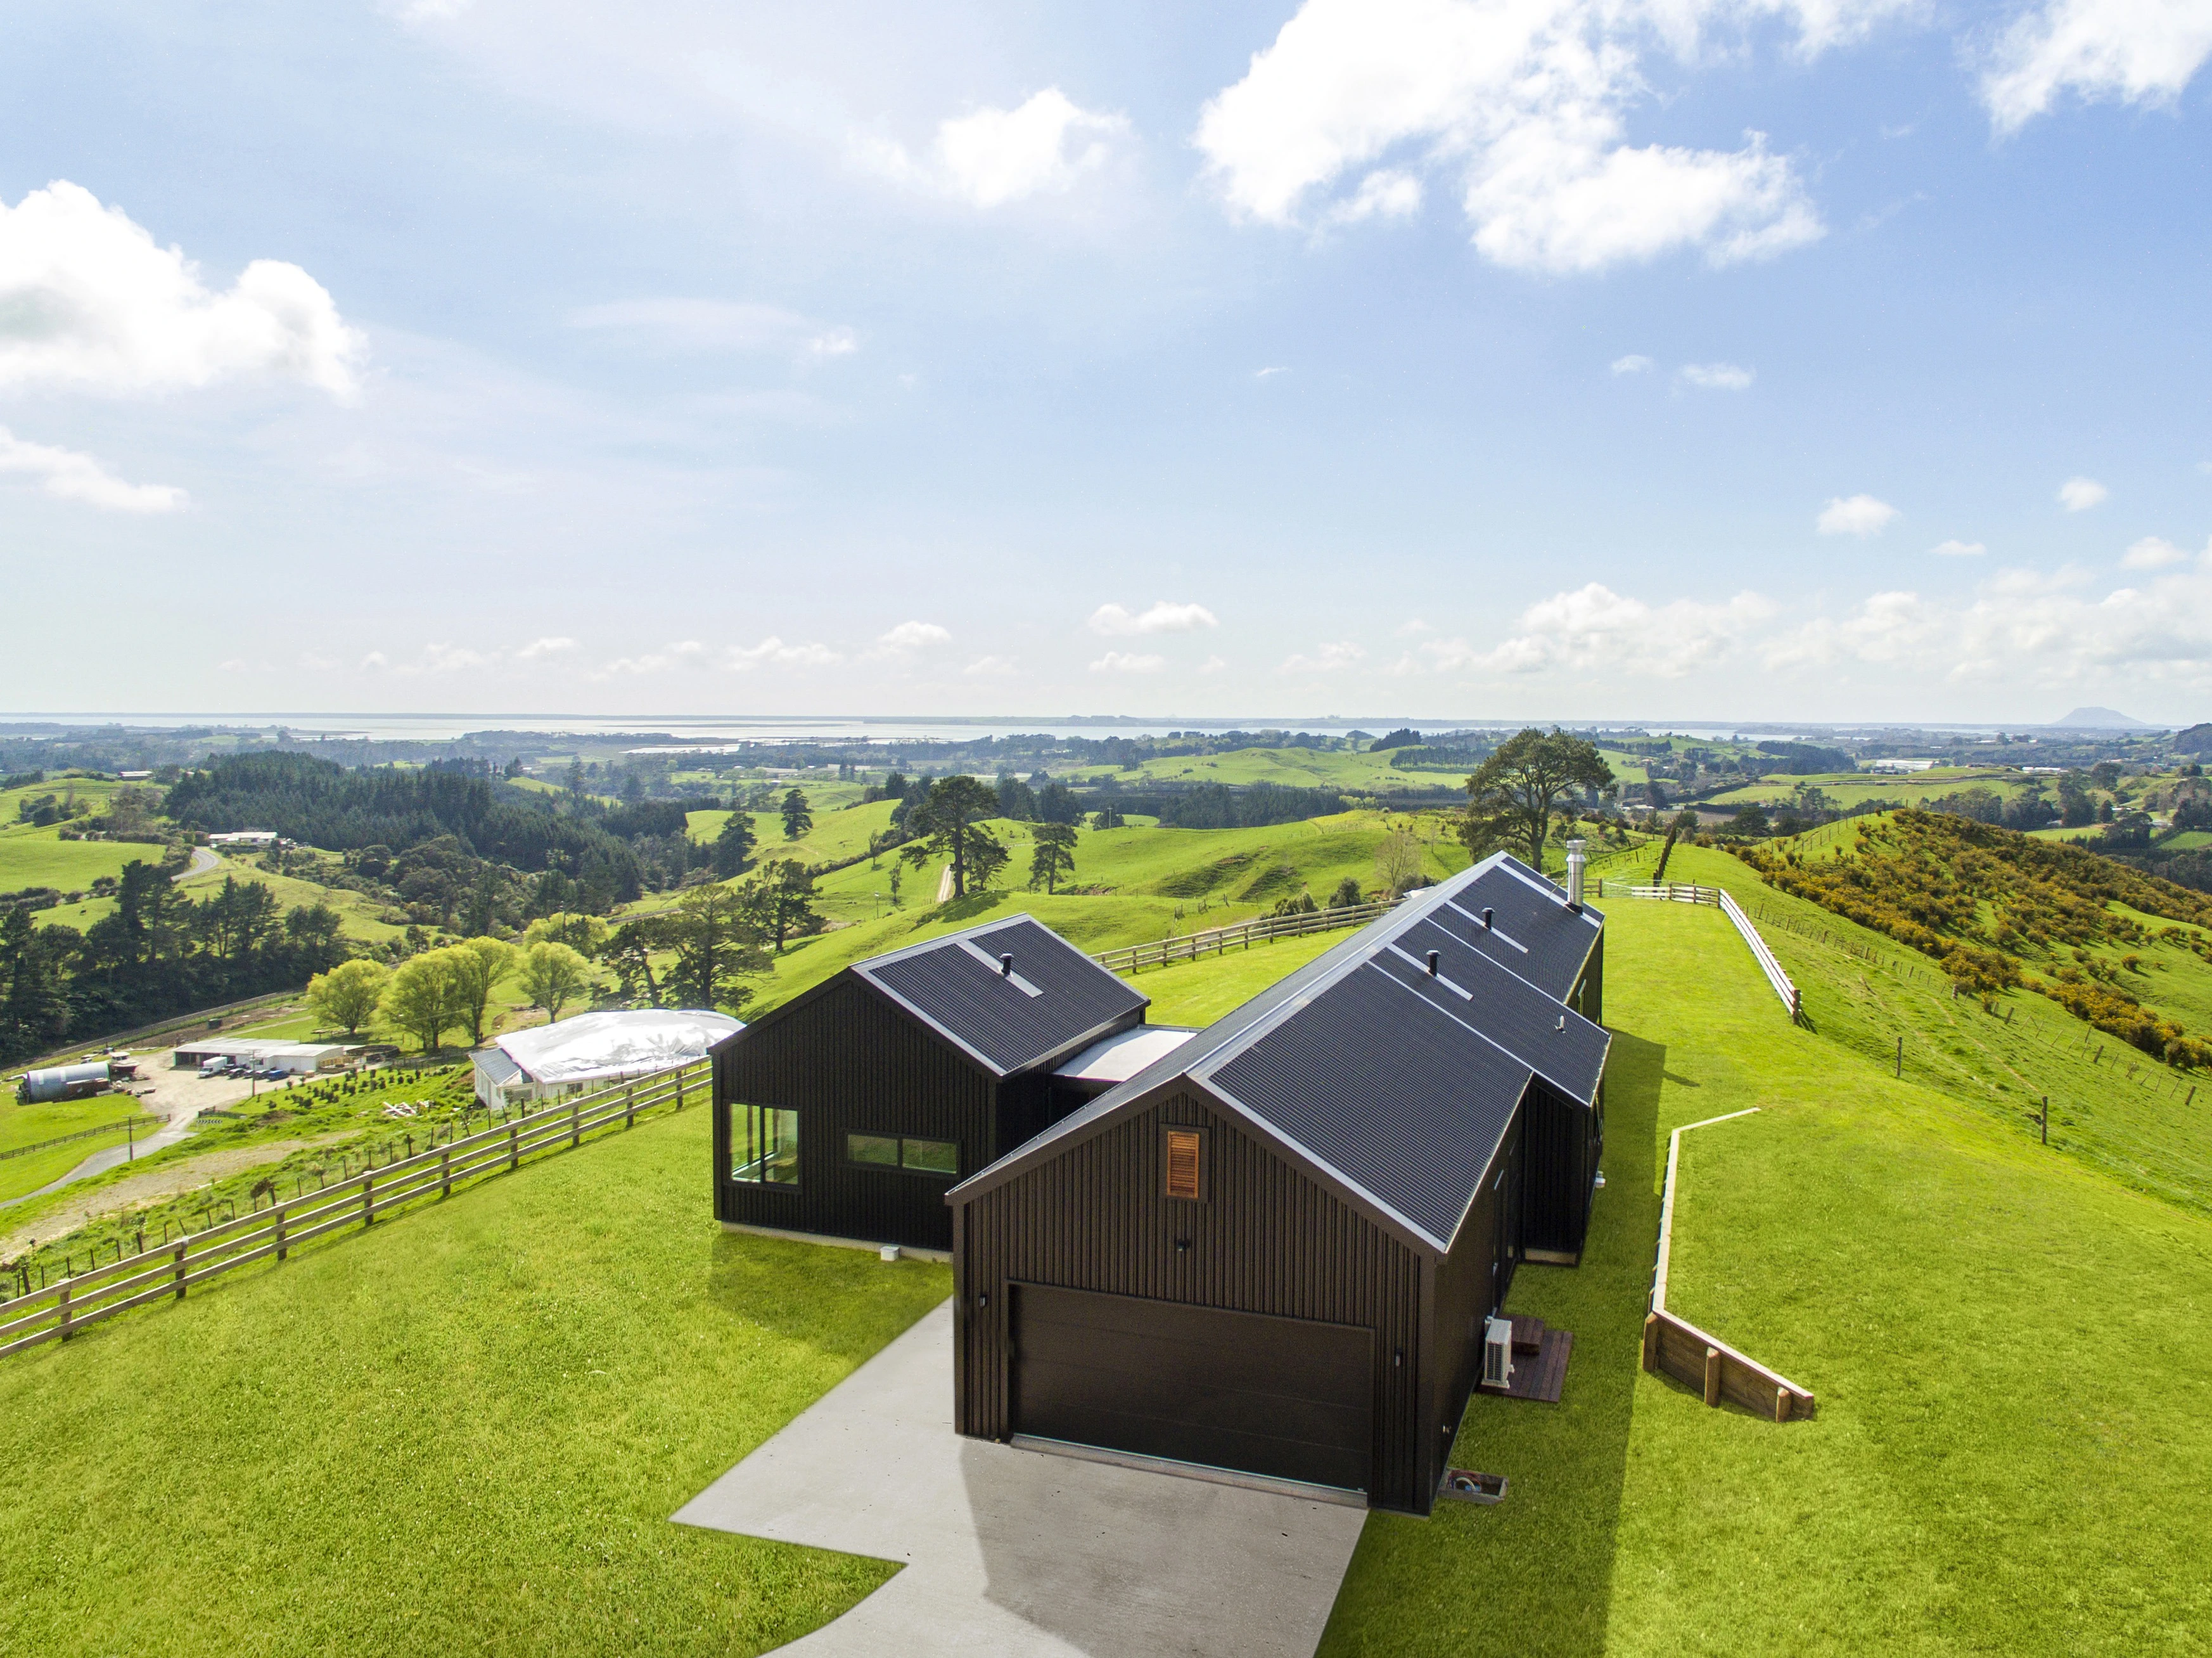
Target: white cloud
[(1385, 193), (1412, 630), (773, 652), (1523, 103), (908, 637), (1957, 549), (1857, 515), (539, 648), (675, 324), (2139, 51), (2153, 553), (1118, 662), (1270, 373), (992, 667), (1635, 363), (993, 156), (1116, 621), (375, 659), (88, 300), (1326, 659), (1594, 628), (1717, 377), (680, 652), (1213, 665), (74, 477), (2080, 494)]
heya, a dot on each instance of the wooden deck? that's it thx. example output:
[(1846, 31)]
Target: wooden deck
[(1540, 1363)]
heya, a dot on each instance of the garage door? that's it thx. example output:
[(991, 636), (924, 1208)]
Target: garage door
[(1287, 1398)]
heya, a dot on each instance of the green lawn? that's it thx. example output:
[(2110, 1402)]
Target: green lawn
[(465, 1430), (2013, 1431), (1904, 788), (41, 858)]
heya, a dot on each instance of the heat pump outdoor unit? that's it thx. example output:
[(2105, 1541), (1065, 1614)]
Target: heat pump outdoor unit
[(1498, 1352)]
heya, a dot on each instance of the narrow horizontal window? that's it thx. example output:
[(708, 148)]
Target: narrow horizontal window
[(881, 1149), (898, 1151), (931, 1156)]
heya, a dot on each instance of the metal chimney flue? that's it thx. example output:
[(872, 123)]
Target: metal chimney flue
[(1487, 914), (1575, 862), (1434, 957), (1005, 966)]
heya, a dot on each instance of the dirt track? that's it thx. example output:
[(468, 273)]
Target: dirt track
[(139, 1189)]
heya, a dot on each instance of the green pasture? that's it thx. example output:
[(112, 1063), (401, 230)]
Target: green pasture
[(41, 858), (1936, 1276), (357, 914), (22, 1124), (1904, 788), (465, 1429), (95, 790)]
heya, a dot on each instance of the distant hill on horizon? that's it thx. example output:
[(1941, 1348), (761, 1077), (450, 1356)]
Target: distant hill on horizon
[(2103, 719)]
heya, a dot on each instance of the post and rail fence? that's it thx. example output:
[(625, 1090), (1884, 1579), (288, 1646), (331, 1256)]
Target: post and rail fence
[(1191, 946), (57, 1310), (1677, 892)]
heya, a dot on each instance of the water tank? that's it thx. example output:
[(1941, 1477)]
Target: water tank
[(63, 1081)]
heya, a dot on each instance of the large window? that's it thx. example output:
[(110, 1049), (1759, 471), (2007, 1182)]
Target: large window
[(899, 1151), (764, 1145)]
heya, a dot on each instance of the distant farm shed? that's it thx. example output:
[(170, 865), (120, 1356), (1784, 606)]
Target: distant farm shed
[(1273, 1249), (549, 1061), (848, 1111)]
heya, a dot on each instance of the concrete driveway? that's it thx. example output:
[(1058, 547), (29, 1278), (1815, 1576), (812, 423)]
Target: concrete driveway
[(1020, 1553)]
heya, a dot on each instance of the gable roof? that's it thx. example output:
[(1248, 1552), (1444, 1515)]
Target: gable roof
[(1394, 1086), (1056, 1000)]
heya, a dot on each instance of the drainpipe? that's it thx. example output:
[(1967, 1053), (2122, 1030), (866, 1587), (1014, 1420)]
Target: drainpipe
[(1575, 862)]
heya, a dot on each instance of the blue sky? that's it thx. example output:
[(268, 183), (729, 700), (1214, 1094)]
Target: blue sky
[(1787, 359)]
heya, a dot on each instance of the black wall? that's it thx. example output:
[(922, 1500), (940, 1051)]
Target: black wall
[(849, 1063), (1563, 1141), (1267, 1238)]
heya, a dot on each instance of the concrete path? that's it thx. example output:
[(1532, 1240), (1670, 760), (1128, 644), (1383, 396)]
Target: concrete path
[(1017, 1554)]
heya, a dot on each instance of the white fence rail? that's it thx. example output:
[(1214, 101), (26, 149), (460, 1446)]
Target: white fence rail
[(1783, 987)]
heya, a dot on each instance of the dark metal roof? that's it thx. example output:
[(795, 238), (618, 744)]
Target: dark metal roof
[(1394, 1086), (1532, 933), (1056, 999)]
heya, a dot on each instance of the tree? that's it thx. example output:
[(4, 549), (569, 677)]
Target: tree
[(1017, 800), (478, 965), (35, 1008), (1055, 854), (1056, 803), (1511, 795), (347, 995), (1750, 821), (717, 938), (734, 847), (424, 997), (629, 951), (948, 824), (586, 935), (779, 900), (1398, 860), (1107, 816), (797, 820), (552, 975), (1347, 895)]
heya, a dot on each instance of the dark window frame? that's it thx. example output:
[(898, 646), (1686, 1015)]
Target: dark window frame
[(745, 1136), (902, 1165)]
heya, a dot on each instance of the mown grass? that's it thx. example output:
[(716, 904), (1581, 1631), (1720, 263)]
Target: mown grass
[(31, 856), (2013, 1422), (464, 1430)]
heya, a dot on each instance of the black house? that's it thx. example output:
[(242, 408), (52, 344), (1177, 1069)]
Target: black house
[(848, 1111), (1273, 1249)]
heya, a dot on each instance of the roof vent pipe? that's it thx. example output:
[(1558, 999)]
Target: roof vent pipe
[(1575, 862), (1487, 914), (1433, 957), (1005, 966)]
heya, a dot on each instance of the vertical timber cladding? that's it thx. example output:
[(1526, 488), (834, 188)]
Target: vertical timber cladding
[(1561, 1147), (849, 1063), (1265, 1239)]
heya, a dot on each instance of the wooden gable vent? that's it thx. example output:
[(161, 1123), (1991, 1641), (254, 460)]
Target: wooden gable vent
[(1186, 1168)]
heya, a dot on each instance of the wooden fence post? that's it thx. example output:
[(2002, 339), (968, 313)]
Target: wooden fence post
[(280, 1234), (1651, 1343), (181, 1244), (63, 1307), (446, 1173), (575, 1122), (368, 1199), (513, 1148), (1712, 1375), (629, 1107)]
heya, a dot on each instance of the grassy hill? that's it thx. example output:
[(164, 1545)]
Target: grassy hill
[(1848, 788)]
